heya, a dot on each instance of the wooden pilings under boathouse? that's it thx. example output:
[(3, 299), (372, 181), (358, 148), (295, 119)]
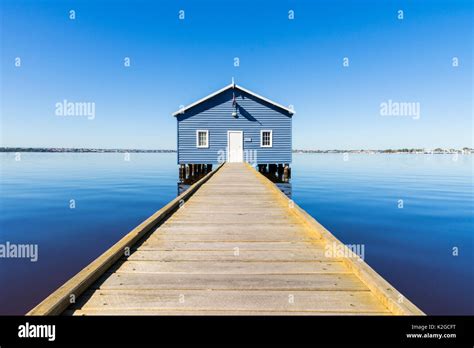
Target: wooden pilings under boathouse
[(276, 172), (191, 172)]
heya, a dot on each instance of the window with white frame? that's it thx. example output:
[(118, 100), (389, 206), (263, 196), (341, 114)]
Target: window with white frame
[(202, 138), (266, 138)]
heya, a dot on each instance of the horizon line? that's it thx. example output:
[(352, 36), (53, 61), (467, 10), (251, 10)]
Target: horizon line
[(67, 149)]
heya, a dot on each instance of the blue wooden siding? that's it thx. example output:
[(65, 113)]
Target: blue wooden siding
[(215, 115)]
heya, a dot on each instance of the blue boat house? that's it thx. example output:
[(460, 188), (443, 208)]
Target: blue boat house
[(234, 124)]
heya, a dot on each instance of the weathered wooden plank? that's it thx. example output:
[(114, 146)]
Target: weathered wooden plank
[(222, 312), (252, 234), (239, 232), (229, 255), (229, 210), (232, 228), (196, 211), (295, 282), (236, 192), (232, 267), (226, 237), (219, 201), (223, 219), (159, 244), (192, 300)]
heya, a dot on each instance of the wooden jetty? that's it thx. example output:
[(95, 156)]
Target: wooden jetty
[(232, 244)]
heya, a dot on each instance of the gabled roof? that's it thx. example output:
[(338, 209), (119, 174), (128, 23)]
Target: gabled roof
[(234, 86)]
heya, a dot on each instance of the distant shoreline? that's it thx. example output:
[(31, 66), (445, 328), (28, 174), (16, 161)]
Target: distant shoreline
[(464, 150), (395, 151), (79, 150)]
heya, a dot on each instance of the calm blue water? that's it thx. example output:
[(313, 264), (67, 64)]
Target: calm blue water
[(357, 200)]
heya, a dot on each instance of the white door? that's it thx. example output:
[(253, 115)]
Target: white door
[(235, 146)]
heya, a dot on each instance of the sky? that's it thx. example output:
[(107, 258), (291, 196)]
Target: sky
[(297, 62)]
